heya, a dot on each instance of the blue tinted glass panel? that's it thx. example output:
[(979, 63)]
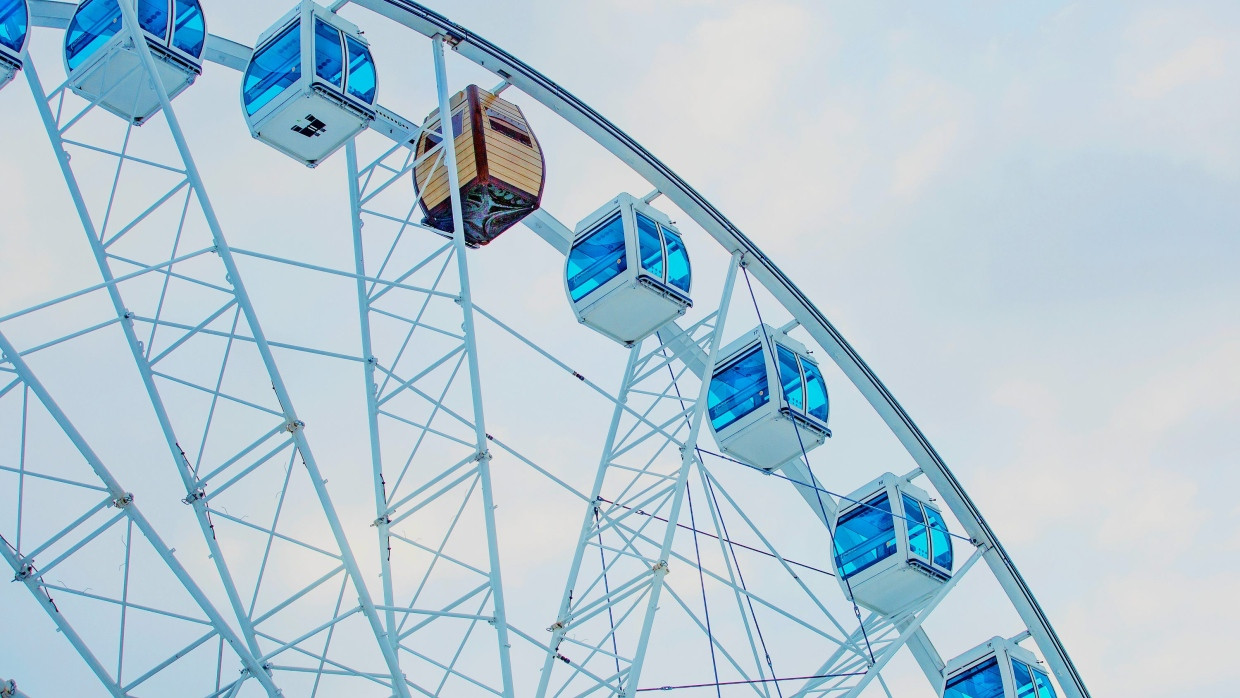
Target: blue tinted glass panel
[(1024, 681), (981, 681), (865, 536), (815, 389), (678, 272), (13, 24), (328, 53), (361, 71), (153, 17), (650, 246), (738, 389), (597, 259), (273, 68), (940, 541), (190, 32), (918, 540), (1043, 683), (92, 25), (790, 378)]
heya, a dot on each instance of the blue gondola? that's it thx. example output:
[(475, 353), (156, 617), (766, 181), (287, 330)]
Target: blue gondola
[(309, 115), (14, 34), (892, 548), (104, 66), (997, 668), (756, 423), (628, 272)]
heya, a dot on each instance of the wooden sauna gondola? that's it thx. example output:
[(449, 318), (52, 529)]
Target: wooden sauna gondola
[(499, 162)]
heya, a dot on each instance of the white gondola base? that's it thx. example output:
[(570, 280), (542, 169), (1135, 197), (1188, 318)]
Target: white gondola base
[(116, 79), (632, 311), (309, 125), (888, 576), (772, 440)]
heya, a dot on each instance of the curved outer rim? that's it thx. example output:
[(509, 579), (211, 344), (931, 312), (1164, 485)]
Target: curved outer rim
[(618, 143)]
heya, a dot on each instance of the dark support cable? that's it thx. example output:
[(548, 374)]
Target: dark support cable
[(611, 618), (770, 347), (749, 682), (823, 490), (708, 534), (710, 637), (741, 576), (609, 136)]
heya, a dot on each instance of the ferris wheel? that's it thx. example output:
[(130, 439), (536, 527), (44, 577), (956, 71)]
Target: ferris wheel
[(643, 501)]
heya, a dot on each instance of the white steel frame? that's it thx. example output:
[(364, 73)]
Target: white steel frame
[(205, 481), (19, 384), (650, 413)]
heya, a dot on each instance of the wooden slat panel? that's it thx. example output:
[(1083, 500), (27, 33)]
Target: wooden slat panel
[(520, 179), (437, 190), (499, 143), (523, 164), (464, 157), (513, 163), (508, 160), (526, 168), (467, 170)]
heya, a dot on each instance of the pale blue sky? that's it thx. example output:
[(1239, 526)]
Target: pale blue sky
[(1026, 217)]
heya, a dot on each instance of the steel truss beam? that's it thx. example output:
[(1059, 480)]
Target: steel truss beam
[(70, 485), (637, 470), (429, 446), (821, 502), (671, 185), (606, 134), (186, 311)]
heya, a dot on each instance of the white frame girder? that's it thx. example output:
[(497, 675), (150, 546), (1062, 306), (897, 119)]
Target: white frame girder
[(671, 185), (120, 498), (195, 486), (639, 494), (411, 369), (516, 73)]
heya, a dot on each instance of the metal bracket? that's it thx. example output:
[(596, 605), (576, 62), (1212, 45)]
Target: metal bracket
[(26, 572)]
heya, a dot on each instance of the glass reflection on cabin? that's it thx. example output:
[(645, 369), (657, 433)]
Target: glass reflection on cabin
[(628, 271), (104, 66), (309, 115), (865, 536), (998, 668), (499, 166), (892, 546), (1030, 681), (759, 425), (14, 33), (983, 680)]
